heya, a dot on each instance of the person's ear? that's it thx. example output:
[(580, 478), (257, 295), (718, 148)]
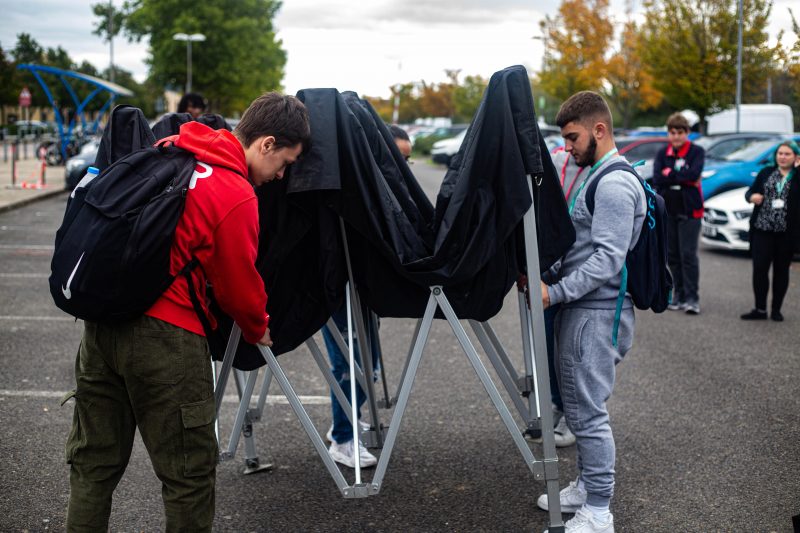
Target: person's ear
[(599, 131), (267, 144)]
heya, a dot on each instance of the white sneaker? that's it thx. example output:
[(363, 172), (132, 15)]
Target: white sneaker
[(563, 436), (363, 425), (585, 522), (572, 498), (344, 454)]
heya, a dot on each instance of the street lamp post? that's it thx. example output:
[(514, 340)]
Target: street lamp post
[(195, 37)]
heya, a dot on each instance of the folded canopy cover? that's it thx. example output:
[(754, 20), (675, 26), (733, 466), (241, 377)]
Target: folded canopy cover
[(399, 245)]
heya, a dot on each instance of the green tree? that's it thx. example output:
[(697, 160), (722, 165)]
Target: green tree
[(9, 91), (690, 49), (467, 97), (240, 59), (28, 50), (109, 25)]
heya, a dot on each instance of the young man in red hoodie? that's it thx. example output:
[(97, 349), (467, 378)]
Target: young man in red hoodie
[(154, 373)]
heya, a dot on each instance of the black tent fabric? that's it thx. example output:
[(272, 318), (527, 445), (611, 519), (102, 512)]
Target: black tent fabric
[(398, 244), (171, 123), (127, 131)]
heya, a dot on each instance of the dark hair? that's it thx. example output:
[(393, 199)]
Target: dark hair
[(584, 107), (191, 99), (678, 122), (283, 117), (398, 133)]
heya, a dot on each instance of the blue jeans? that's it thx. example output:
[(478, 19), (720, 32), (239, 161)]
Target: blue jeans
[(549, 326), (340, 367)]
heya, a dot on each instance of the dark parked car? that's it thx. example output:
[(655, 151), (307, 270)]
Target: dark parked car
[(718, 147), (641, 149), (76, 166)]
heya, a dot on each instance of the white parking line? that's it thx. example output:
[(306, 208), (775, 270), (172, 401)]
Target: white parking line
[(37, 318), (228, 398), (26, 247)]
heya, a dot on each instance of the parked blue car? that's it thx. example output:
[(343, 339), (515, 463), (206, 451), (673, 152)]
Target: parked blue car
[(739, 168)]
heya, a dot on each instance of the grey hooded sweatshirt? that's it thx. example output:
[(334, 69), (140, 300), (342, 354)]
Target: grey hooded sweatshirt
[(589, 274)]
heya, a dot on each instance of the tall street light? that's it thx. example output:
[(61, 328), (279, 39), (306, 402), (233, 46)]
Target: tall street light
[(195, 37)]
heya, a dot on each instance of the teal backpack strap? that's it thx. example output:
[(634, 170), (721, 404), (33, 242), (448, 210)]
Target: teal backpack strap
[(623, 287)]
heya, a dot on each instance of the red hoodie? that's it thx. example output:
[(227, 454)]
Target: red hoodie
[(219, 227)]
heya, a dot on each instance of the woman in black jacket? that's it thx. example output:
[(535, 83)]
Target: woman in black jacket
[(774, 228)]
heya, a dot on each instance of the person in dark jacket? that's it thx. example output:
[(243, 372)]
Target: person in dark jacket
[(676, 175), (774, 228), (192, 103)]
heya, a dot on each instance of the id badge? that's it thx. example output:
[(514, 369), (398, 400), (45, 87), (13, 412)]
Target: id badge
[(679, 163), (778, 204)]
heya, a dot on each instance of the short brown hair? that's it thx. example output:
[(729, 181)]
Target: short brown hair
[(281, 116), (678, 122), (584, 107)]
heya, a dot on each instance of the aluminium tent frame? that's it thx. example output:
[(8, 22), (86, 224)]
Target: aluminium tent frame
[(535, 385)]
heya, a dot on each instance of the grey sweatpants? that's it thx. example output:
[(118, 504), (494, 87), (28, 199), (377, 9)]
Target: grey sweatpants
[(586, 364)]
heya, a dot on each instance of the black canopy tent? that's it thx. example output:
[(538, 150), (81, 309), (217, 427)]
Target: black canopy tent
[(400, 245), (353, 201), (352, 211)]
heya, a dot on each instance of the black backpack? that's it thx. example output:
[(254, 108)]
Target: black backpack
[(648, 279), (112, 251)]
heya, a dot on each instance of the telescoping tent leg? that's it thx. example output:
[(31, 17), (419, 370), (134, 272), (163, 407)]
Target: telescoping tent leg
[(369, 437), (245, 416), (538, 362), (245, 385), (365, 348)]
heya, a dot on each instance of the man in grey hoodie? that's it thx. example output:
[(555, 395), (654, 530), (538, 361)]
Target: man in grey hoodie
[(586, 283)]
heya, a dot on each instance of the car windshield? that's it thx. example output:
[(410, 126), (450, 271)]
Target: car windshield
[(751, 151)]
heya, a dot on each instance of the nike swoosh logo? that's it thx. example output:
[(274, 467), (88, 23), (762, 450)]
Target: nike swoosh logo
[(65, 290)]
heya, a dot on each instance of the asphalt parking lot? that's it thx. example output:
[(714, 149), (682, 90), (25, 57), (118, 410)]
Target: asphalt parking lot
[(706, 415)]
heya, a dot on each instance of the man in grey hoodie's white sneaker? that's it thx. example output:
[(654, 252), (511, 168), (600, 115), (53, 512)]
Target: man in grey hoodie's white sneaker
[(586, 283)]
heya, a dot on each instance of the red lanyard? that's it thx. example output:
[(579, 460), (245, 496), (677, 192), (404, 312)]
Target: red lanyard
[(564, 175)]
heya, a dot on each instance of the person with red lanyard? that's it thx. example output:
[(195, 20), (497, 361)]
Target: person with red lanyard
[(676, 176), (569, 173)]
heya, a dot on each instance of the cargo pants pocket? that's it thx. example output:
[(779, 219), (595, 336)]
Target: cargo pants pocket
[(74, 437), (200, 449)]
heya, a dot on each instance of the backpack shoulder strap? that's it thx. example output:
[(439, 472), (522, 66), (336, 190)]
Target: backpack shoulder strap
[(592, 187)]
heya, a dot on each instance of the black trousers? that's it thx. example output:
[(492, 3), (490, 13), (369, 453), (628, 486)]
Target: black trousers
[(684, 265), (770, 248)]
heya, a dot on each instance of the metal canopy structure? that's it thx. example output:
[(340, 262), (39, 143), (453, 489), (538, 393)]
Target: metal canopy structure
[(99, 86)]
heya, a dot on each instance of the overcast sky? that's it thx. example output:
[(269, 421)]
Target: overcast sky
[(360, 45)]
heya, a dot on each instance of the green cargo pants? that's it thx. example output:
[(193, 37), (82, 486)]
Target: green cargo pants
[(157, 377)]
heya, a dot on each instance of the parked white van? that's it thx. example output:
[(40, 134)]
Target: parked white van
[(769, 118)]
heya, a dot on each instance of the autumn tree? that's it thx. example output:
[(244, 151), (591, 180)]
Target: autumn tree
[(576, 43), (240, 59), (436, 99), (690, 48), (629, 86)]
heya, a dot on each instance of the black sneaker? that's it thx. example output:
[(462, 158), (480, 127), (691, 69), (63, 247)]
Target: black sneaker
[(755, 314), (777, 316)]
